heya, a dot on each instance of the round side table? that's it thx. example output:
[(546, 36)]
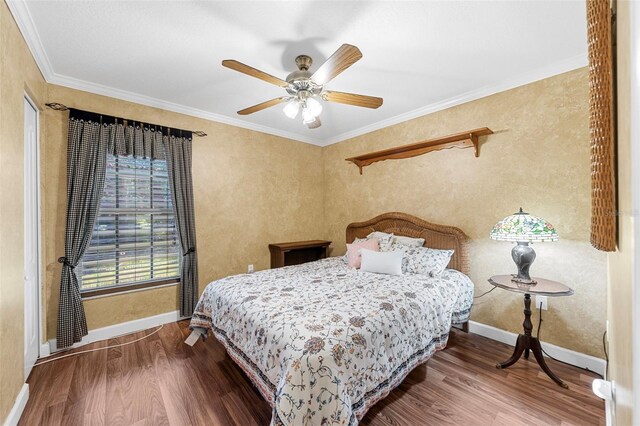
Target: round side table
[(526, 342)]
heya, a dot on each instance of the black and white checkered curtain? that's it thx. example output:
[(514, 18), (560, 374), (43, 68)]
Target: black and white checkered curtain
[(178, 156), (86, 166), (89, 141), (136, 141)]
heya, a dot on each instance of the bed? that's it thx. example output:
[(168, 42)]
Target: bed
[(323, 342)]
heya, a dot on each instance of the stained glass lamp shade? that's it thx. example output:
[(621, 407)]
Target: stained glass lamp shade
[(523, 229)]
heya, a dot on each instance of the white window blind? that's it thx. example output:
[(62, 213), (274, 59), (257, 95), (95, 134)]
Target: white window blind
[(134, 239)]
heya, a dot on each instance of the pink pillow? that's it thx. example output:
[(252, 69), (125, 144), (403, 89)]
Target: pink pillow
[(353, 251)]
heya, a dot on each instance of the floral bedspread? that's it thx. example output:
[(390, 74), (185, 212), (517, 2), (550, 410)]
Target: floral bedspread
[(323, 342)]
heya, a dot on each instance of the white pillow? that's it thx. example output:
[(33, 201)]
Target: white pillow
[(389, 262), (385, 239), (427, 261), (408, 241)]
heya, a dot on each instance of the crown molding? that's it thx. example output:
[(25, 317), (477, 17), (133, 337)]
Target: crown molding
[(22, 16), (541, 73), (124, 95)]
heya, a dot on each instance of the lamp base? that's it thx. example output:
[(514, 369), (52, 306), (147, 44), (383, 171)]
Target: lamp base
[(523, 255), (523, 282)]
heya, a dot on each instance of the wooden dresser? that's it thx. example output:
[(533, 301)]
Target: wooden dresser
[(297, 252)]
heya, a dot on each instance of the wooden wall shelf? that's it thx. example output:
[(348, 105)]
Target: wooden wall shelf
[(468, 139)]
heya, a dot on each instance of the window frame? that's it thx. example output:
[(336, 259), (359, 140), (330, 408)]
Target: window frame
[(133, 286)]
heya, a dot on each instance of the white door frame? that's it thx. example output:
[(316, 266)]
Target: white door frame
[(42, 351)]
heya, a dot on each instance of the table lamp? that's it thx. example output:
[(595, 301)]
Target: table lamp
[(523, 228)]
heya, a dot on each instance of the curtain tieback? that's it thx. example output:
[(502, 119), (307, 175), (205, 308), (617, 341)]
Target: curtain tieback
[(191, 250), (66, 262)]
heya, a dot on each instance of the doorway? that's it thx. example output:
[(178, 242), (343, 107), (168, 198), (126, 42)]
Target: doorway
[(31, 237)]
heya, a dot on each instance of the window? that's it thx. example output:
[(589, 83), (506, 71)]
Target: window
[(134, 241)]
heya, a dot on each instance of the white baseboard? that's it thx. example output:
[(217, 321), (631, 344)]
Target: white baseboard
[(123, 328), (18, 407), (594, 364)]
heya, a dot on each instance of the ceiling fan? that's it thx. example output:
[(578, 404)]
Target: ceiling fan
[(304, 89)]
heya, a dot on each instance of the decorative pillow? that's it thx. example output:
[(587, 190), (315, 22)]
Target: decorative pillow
[(389, 262), (353, 250), (385, 239), (427, 261), (356, 240), (402, 249), (408, 241)]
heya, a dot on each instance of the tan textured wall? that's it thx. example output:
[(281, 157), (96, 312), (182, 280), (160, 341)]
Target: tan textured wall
[(539, 159), (621, 262), (251, 189), (18, 73)]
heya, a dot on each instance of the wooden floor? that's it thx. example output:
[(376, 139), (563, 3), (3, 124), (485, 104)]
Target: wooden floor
[(160, 380)]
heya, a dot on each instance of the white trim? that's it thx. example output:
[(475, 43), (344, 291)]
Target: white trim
[(18, 407), (556, 68), (125, 95), (27, 27), (41, 316), (531, 76), (45, 350), (116, 330), (634, 72), (41, 271), (609, 408), (578, 359), (22, 16), (40, 275)]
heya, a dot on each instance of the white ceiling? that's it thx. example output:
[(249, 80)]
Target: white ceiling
[(418, 56)]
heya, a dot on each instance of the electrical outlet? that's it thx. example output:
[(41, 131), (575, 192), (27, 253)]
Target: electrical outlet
[(541, 300), (250, 269)]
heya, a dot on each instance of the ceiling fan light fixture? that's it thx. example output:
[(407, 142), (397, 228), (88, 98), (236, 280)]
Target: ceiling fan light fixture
[(305, 89), (314, 124), (314, 107), (307, 116), (291, 109)]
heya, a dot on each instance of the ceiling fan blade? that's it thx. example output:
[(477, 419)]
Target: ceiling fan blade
[(263, 105), (343, 58), (315, 123), (246, 69), (352, 99)]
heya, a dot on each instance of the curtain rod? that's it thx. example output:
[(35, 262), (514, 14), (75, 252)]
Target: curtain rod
[(61, 107)]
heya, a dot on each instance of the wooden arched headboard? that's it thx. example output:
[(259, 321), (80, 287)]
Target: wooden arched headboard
[(435, 236)]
